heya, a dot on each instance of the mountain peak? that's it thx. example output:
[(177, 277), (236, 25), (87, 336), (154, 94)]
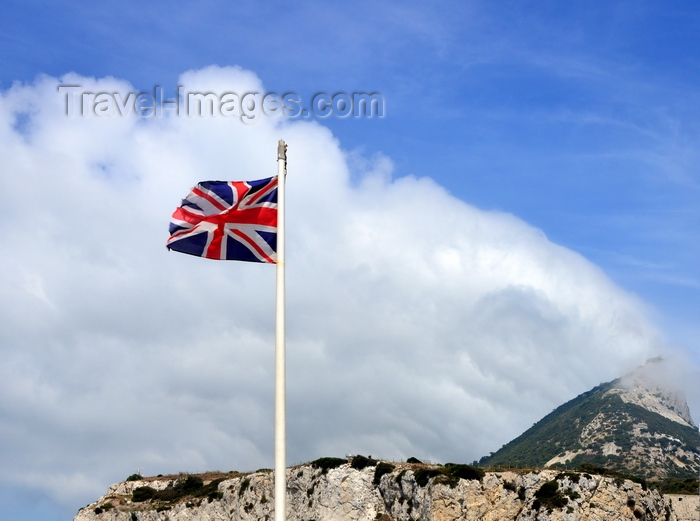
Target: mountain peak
[(639, 424), (653, 387)]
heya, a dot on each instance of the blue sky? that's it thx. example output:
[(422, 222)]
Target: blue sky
[(577, 119)]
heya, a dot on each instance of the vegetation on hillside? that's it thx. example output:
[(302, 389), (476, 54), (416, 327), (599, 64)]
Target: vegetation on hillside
[(191, 487), (563, 430)]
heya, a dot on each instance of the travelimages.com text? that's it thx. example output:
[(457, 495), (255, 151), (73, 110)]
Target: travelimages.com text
[(248, 107)]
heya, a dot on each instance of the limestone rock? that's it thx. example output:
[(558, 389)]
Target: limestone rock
[(409, 492)]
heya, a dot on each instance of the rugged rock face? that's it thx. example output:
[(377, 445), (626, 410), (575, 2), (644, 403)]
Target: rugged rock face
[(684, 508), (388, 492), (651, 389), (636, 424)]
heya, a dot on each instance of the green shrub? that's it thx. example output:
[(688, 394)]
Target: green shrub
[(214, 495), (360, 462), (548, 490), (465, 471), (191, 485), (572, 494), (244, 486), (381, 469), (399, 477), (423, 475), (413, 460), (211, 490), (678, 486), (449, 474), (170, 493), (325, 464), (134, 477), (549, 496), (447, 479), (619, 476), (574, 477), (143, 494)]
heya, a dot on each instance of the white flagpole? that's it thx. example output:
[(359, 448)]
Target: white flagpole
[(280, 372)]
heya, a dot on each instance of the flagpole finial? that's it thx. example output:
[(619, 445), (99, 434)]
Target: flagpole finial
[(281, 150)]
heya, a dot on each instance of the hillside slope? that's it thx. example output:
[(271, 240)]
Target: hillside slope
[(633, 424)]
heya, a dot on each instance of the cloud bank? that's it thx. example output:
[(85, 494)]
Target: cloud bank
[(418, 325)]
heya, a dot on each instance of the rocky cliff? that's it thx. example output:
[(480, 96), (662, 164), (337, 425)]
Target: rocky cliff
[(382, 491)]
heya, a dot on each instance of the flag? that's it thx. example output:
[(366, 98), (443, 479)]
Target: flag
[(228, 220)]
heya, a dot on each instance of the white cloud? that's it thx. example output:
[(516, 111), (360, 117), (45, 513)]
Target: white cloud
[(417, 324)]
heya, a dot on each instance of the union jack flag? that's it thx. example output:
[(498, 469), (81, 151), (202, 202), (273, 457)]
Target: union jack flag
[(228, 220)]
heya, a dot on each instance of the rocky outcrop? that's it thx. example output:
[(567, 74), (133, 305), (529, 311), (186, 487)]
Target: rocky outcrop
[(386, 492)]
